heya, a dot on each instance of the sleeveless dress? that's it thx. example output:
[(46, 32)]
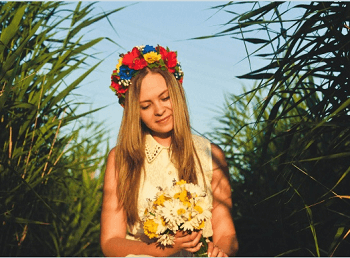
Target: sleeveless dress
[(160, 171)]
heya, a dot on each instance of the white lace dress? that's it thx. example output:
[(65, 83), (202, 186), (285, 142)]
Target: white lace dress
[(160, 171)]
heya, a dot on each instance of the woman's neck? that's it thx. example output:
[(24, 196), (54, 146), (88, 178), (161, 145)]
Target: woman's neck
[(162, 139)]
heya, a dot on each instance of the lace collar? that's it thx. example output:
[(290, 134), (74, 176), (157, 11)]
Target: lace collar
[(152, 148)]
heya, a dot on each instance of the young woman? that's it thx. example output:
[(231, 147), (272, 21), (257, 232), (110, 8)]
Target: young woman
[(154, 147)]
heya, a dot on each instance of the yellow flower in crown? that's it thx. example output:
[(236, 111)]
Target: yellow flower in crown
[(120, 62), (152, 57)]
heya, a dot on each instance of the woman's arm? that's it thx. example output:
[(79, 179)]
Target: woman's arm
[(113, 225), (224, 233)]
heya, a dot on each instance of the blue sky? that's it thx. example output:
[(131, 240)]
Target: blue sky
[(210, 65)]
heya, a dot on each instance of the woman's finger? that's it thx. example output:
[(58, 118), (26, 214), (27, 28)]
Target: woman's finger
[(182, 237), (215, 251), (185, 239), (181, 233), (221, 253), (193, 240), (194, 249), (210, 248)]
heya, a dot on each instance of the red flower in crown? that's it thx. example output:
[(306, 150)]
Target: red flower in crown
[(169, 58), (134, 60)]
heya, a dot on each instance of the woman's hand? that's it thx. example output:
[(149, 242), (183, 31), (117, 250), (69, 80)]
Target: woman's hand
[(215, 251), (185, 241), (189, 242)]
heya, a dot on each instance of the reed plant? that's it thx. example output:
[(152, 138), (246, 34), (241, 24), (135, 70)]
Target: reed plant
[(50, 156), (289, 156)]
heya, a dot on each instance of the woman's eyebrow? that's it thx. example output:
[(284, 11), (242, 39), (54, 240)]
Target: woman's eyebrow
[(163, 92)]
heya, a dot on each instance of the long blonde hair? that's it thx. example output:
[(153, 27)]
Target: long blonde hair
[(130, 149)]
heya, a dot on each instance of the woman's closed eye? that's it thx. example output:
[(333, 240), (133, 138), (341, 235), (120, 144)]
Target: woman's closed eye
[(144, 107), (166, 98)]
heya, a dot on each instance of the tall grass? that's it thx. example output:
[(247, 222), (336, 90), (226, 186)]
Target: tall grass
[(290, 158), (49, 181)]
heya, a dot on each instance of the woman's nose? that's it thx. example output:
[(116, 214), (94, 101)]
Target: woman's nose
[(159, 109)]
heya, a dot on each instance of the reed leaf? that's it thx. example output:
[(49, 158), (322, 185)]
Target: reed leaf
[(295, 117), (50, 177)]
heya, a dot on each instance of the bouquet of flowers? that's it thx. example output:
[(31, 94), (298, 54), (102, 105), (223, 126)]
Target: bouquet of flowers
[(184, 206)]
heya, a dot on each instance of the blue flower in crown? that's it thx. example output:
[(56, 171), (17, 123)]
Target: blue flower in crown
[(126, 73), (148, 49)]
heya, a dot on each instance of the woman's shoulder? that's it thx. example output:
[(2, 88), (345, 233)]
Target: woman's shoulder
[(218, 153), (111, 160), (111, 154)]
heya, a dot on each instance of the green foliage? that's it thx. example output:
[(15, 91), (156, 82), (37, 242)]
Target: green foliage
[(290, 156), (50, 186)]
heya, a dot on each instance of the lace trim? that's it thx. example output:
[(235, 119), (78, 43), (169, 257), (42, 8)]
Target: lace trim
[(152, 148), (151, 154)]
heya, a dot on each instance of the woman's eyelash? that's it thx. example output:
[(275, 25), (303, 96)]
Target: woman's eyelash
[(163, 99)]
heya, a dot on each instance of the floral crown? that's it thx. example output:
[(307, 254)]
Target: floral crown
[(140, 57)]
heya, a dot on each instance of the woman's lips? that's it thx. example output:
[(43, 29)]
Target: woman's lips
[(163, 120)]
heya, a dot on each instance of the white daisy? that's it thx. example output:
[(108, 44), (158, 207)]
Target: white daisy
[(189, 225), (161, 225), (166, 239), (174, 190), (172, 211), (204, 212), (195, 190)]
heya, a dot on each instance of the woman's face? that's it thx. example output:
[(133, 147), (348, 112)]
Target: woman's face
[(155, 106)]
